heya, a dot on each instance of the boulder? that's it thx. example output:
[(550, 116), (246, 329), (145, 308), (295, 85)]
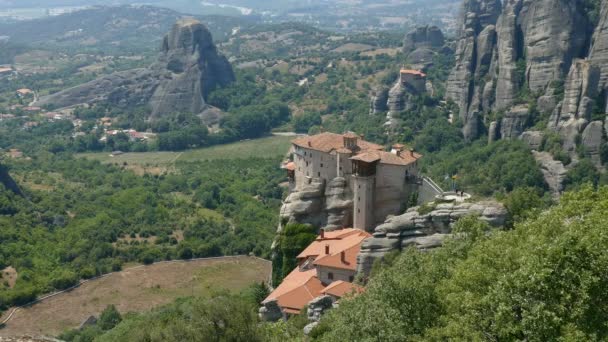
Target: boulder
[(270, 311), (318, 306)]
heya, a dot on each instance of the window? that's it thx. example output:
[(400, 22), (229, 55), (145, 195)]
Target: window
[(306, 163), (351, 279), (318, 174), (321, 164), (358, 210), (359, 198), (330, 276), (340, 168)]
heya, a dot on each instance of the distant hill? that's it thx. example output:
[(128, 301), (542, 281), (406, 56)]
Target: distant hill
[(110, 29)]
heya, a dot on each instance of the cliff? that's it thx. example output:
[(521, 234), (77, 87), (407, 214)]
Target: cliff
[(423, 230), (187, 69), (551, 52)]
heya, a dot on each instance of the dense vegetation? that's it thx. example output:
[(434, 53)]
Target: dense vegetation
[(85, 218), (542, 281)]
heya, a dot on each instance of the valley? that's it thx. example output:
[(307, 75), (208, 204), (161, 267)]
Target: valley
[(235, 170)]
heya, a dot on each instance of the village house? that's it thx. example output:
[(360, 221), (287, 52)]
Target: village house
[(381, 182), (326, 267), (15, 153)]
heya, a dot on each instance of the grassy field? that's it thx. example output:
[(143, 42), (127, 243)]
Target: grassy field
[(159, 162), (137, 290)]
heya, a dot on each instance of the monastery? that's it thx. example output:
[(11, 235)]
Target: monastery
[(381, 183)]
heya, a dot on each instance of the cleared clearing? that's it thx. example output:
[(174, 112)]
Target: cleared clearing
[(160, 162), (137, 290)]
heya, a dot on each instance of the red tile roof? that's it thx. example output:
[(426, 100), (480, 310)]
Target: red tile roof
[(404, 158), (413, 72), (327, 142), (297, 289), (302, 286), (342, 288), (367, 152)]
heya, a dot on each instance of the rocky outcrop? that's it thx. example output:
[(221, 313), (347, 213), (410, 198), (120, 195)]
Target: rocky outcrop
[(424, 36), (475, 53), (379, 101), (553, 171), (514, 122), (328, 206), (534, 139), (423, 230), (592, 140), (554, 34), (521, 44), (188, 68), (599, 47), (397, 99), (270, 311), (572, 115), (318, 306)]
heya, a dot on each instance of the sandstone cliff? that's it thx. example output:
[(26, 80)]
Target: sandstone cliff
[(188, 68), (550, 51), (423, 230)]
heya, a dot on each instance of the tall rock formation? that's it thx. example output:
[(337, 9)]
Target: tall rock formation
[(188, 68), (474, 57), (519, 46), (599, 47)]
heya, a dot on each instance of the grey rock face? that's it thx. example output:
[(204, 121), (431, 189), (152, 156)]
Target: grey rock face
[(571, 117), (553, 171), (493, 132), (592, 139), (545, 35), (555, 33), (599, 47), (379, 100), (397, 99), (422, 56), (514, 122), (475, 53), (270, 311), (423, 231), (509, 51), (323, 205), (318, 306), (425, 36), (534, 139), (188, 67)]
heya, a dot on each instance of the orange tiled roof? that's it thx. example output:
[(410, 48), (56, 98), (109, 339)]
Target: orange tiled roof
[(405, 158), (297, 289), (300, 287), (334, 258), (413, 72), (341, 288), (326, 142), (337, 239), (291, 166)]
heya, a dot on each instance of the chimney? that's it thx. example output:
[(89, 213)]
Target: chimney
[(309, 143), (412, 152), (343, 257), (398, 153), (322, 234), (326, 249)]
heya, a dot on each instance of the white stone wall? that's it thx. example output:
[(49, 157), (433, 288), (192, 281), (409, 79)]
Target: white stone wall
[(313, 164), (338, 274)]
